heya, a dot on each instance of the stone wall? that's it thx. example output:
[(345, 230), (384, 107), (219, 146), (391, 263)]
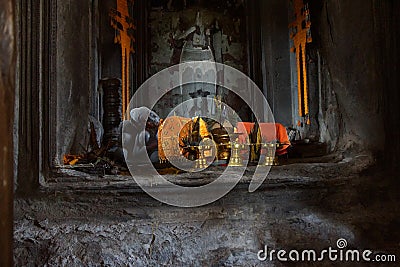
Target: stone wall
[(353, 86), (109, 50), (7, 84), (73, 75), (165, 21), (387, 25), (223, 23), (299, 207), (276, 59)]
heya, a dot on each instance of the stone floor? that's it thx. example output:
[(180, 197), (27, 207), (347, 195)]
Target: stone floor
[(300, 206)]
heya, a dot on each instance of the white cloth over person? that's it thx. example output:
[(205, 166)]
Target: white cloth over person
[(135, 135)]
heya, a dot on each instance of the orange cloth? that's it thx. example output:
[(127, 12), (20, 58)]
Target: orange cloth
[(173, 130), (277, 133), (283, 139), (269, 131), (244, 127), (170, 134)]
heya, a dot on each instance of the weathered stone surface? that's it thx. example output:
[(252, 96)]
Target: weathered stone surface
[(352, 89), (301, 206), (7, 91), (276, 59), (73, 76)]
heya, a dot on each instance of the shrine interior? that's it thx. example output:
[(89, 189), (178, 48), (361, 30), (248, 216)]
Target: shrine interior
[(328, 71)]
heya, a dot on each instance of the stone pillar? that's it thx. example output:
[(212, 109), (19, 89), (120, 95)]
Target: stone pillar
[(7, 64), (112, 109)]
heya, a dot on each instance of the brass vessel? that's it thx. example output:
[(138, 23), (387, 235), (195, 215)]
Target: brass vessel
[(270, 158)]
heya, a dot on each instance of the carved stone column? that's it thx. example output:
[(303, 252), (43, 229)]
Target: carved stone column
[(112, 109)]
